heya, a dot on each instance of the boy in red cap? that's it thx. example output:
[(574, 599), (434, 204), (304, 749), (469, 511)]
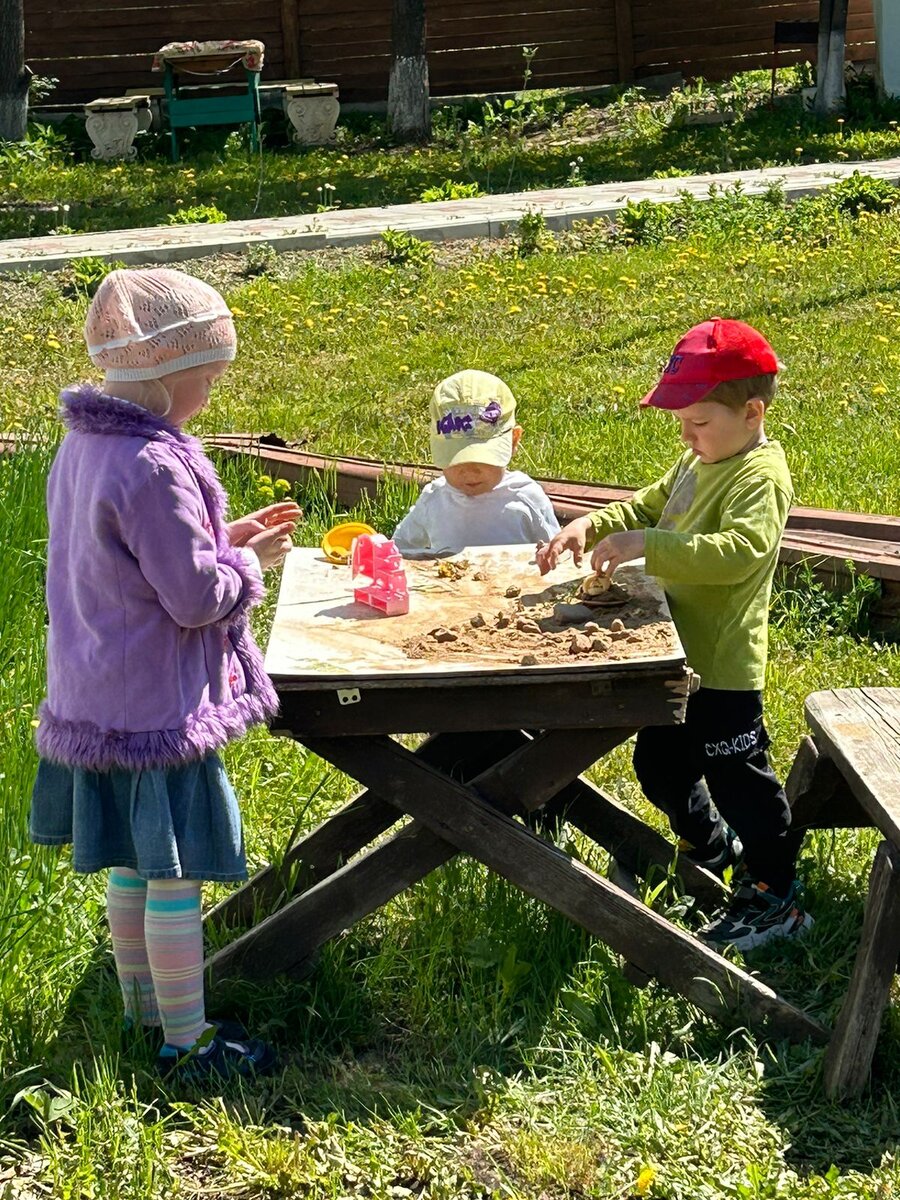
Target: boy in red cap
[(710, 530)]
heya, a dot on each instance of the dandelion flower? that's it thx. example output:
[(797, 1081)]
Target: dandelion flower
[(644, 1180)]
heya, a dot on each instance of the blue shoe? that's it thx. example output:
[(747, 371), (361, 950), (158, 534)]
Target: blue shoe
[(756, 916), (729, 855), (221, 1059)]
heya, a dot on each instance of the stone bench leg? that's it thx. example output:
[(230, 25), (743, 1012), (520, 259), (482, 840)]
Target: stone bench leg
[(113, 133), (313, 117), (852, 1046)]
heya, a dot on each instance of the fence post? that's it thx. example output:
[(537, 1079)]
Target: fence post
[(625, 40), (290, 36)]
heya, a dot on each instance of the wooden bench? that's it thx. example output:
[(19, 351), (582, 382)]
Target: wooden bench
[(112, 124), (848, 776)]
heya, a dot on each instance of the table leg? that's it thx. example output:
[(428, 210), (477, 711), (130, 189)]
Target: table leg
[(342, 835), (635, 845), (850, 1051), (457, 814), (284, 940)]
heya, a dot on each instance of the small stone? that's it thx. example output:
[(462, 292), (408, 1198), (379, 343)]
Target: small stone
[(512, 591), (525, 626), (599, 644), (619, 635), (591, 627), (580, 644), (571, 614), (480, 576), (528, 660), (444, 635), (478, 621), (617, 625), (633, 637), (502, 620)]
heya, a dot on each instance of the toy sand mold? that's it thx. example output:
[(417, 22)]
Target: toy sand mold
[(485, 609)]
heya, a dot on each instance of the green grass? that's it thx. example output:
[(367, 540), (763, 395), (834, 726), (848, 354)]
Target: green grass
[(619, 137), (465, 1041)]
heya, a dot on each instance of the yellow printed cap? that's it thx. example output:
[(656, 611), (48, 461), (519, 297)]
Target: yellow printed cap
[(472, 419)]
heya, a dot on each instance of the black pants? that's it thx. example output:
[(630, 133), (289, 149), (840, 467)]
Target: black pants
[(717, 760)]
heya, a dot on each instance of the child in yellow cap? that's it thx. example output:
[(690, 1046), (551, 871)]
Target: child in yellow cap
[(477, 500)]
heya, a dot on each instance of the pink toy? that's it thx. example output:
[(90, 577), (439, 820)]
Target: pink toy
[(377, 565)]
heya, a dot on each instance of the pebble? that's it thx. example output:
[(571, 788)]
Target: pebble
[(619, 634), (600, 644), (591, 627), (502, 620), (481, 576), (571, 614), (525, 626), (580, 644), (528, 660), (478, 621), (512, 591), (617, 625), (444, 635), (633, 637)]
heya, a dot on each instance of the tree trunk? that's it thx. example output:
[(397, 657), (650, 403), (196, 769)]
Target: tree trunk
[(830, 67), (409, 114), (13, 76)]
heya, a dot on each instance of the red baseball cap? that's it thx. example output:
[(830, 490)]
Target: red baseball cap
[(712, 352)]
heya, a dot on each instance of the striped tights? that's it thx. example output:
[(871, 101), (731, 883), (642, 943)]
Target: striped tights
[(157, 940)]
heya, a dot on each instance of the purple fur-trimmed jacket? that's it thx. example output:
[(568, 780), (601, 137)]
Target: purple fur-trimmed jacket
[(150, 661)]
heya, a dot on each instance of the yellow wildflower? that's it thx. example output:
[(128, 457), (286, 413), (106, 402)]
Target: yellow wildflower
[(644, 1180)]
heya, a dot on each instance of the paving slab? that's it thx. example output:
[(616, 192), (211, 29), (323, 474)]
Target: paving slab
[(485, 216)]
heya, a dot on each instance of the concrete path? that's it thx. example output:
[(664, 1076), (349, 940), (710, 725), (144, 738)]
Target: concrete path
[(489, 216)]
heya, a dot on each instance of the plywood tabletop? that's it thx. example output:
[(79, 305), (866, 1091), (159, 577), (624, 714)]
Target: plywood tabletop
[(322, 637)]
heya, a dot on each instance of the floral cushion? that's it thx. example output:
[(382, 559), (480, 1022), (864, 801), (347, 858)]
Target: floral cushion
[(250, 52)]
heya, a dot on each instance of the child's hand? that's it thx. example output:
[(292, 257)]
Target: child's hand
[(617, 548), (241, 530), (570, 537), (272, 544)]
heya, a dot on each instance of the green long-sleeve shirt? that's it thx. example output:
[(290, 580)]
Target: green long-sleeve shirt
[(713, 532)]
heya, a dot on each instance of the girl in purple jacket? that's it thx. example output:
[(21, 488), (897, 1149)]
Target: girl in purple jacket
[(151, 667)]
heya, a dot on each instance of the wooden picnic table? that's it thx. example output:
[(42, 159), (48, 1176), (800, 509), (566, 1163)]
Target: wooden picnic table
[(347, 684)]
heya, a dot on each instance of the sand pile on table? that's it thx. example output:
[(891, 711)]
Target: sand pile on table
[(558, 630)]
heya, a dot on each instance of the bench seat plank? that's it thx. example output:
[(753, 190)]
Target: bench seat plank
[(859, 730)]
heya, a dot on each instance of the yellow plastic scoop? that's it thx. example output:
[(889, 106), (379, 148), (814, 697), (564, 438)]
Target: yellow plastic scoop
[(338, 542)]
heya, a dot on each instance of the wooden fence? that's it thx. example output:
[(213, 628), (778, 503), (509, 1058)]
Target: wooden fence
[(98, 49)]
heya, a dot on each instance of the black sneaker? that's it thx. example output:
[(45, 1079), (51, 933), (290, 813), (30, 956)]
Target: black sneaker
[(756, 916), (221, 1059), (730, 854)]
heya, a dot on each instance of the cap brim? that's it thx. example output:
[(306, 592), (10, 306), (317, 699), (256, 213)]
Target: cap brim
[(673, 396), (492, 452)]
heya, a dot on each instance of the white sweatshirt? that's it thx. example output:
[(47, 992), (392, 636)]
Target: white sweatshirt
[(515, 512)]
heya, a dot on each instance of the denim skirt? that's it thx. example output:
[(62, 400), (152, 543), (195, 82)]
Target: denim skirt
[(173, 823)]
